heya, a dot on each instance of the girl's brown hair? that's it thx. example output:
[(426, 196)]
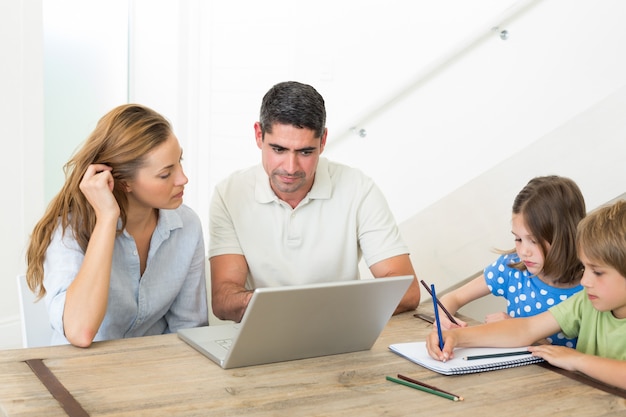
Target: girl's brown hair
[(552, 207)]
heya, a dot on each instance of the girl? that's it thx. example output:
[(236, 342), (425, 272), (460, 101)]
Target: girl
[(543, 269), (596, 315), (117, 254)]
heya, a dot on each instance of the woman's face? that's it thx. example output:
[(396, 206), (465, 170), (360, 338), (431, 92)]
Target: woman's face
[(161, 181)]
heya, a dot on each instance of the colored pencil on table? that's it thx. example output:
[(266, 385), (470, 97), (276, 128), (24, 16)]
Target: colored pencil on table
[(434, 294), (422, 388), (450, 317), (415, 381), (497, 355)]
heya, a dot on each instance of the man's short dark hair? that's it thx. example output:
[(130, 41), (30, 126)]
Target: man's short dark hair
[(293, 103)]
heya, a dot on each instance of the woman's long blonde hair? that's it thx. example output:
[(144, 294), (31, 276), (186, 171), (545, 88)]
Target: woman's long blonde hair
[(120, 140)]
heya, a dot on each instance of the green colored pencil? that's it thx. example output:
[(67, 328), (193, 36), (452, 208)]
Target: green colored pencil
[(421, 388), (497, 355)]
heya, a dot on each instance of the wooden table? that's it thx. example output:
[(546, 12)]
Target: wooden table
[(163, 376)]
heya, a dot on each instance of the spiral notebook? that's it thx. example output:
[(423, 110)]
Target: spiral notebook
[(416, 352)]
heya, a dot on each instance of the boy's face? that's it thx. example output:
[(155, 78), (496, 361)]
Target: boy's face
[(606, 288)]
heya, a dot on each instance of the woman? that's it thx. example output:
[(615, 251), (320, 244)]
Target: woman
[(117, 254)]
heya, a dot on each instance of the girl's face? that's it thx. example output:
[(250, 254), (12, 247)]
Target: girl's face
[(527, 247), (161, 181), (605, 287)]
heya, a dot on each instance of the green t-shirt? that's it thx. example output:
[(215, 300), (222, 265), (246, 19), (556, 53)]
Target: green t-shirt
[(599, 332)]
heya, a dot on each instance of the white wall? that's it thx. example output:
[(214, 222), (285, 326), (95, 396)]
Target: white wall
[(230, 53), (443, 99), (452, 238), (168, 42), (492, 102), (85, 75), (21, 130)]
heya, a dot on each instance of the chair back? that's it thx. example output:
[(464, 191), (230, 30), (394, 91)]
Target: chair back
[(36, 330)]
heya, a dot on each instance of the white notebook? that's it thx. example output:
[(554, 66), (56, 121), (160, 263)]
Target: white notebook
[(416, 352)]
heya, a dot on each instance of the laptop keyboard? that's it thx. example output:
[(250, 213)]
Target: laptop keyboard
[(225, 343)]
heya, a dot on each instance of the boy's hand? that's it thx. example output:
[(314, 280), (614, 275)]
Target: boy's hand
[(560, 356)]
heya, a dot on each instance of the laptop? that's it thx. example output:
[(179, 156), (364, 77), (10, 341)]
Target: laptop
[(302, 321)]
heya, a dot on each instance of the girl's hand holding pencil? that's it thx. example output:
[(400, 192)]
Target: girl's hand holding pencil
[(446, 324), (442, 353), (449, 342)]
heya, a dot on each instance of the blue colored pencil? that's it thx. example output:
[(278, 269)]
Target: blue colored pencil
[(434, 294)]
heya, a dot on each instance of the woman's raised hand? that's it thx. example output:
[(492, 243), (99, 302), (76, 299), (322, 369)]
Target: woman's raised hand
[(97, 186)]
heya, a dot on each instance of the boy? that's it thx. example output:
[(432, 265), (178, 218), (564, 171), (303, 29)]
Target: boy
[(596, 315)]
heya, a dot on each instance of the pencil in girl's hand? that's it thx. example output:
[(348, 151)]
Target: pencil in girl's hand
[(450, 316), (437, 322)]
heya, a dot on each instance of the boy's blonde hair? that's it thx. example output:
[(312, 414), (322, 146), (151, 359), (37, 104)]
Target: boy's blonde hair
[(602, 236)]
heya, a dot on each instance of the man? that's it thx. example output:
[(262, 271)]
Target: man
[(297, 218)]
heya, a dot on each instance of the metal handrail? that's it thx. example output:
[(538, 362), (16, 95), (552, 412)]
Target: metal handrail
[(437, 66)]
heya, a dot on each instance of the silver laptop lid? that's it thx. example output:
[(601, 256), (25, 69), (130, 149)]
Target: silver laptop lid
[(304, 321)]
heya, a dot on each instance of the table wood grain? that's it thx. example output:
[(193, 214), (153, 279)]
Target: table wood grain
[(163, 376)]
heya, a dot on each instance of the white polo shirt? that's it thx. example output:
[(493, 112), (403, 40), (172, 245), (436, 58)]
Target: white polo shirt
[(343, 217)]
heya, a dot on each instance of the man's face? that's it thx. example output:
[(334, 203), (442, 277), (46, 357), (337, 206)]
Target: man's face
[(290, 156)]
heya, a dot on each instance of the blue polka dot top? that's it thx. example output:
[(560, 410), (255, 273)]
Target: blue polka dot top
[(526, 294)]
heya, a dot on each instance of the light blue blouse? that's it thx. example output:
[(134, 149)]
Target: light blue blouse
[(169, 296)]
